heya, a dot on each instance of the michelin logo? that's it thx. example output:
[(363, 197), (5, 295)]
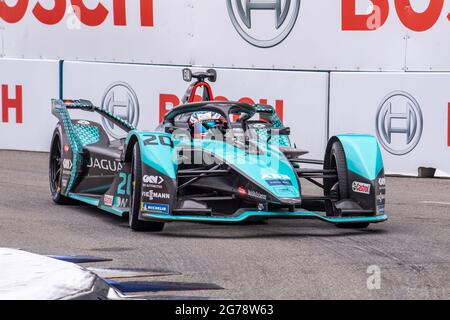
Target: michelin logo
[(155, 207)]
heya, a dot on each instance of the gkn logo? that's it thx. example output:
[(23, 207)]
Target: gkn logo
[(157, 180)]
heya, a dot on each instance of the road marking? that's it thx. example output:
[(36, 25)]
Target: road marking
[(435, 202)]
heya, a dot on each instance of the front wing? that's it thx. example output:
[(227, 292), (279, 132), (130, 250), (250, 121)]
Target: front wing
[(258, 215)]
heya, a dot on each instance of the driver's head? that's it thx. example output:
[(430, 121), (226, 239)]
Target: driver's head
[(203, 121)]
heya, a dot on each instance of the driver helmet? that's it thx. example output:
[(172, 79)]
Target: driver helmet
[(203, 121)]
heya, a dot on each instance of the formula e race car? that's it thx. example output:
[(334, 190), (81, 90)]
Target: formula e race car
[(212, 161)]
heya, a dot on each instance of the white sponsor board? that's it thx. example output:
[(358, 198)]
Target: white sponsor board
[(25, 115), (300, 35), (430, 50), (143, 95), (409, 112)]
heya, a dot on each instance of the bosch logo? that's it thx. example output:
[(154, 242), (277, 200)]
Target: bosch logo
[(121, 100), (399, 123), (250, 19), (90, 15)]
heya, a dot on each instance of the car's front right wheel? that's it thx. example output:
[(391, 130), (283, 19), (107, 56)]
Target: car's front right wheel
[(338, 187), (135, 197)]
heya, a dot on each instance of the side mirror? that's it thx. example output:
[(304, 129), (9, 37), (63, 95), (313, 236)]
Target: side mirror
[(212, 75), (187, 75)]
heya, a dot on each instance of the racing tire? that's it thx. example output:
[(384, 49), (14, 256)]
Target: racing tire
[(336, 187), (339, 187), (55, 170), (135, 197)]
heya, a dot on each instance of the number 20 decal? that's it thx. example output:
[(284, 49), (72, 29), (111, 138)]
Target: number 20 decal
[(154, 140)]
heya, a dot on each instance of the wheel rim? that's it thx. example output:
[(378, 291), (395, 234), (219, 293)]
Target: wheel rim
[(55, 166)]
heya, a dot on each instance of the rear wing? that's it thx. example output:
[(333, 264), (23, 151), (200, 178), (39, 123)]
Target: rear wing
[(60, 110)]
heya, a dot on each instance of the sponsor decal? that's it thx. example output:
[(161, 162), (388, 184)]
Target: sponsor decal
[(277, 179), (257, 195), (89, 15), (381, 208), (279, 182), (155, 207), (275, 176), (108, 200), (169, 101), (399, 123), (286, 189), (152, 195), (121, 100), (381, 198), (104, 164), (8, 103), (382, 182), (64, 183), (84, 122), (66, 148), (155, 180), (360, 187), (415, 18), (67, 164), (242, 191), (266, 34), (121, 202)]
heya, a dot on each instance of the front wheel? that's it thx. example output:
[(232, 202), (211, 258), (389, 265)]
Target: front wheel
[(55, 170), (338, 187), (136, 192)]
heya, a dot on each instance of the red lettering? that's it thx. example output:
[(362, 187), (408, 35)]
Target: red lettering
[(419, 21), (364, 22), (50, 16), (448, 124), (8, 103), (166, 100), (147, 13), (169, 101), (13, 14), (120, 13), (220, 98), (279, 107), (90, 17), (247, 100)]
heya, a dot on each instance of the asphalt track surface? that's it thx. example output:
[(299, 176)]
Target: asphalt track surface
[(295, 259)]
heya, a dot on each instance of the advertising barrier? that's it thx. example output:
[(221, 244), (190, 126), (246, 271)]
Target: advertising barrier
[(26, 89), (409, 112), (329, 35), (144, 94)]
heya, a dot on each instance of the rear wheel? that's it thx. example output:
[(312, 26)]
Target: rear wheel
[(55, 170), (338, 188), (136, 192)]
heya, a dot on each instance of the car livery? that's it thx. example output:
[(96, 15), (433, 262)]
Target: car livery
[(243, 167)]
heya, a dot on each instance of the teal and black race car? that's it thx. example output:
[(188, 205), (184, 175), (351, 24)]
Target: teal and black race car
[(212, 161)]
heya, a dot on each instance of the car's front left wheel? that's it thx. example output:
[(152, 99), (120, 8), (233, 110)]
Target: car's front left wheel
[(135, 197), (55, 169)]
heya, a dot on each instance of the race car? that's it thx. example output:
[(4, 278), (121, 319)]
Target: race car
[(212, 161)]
